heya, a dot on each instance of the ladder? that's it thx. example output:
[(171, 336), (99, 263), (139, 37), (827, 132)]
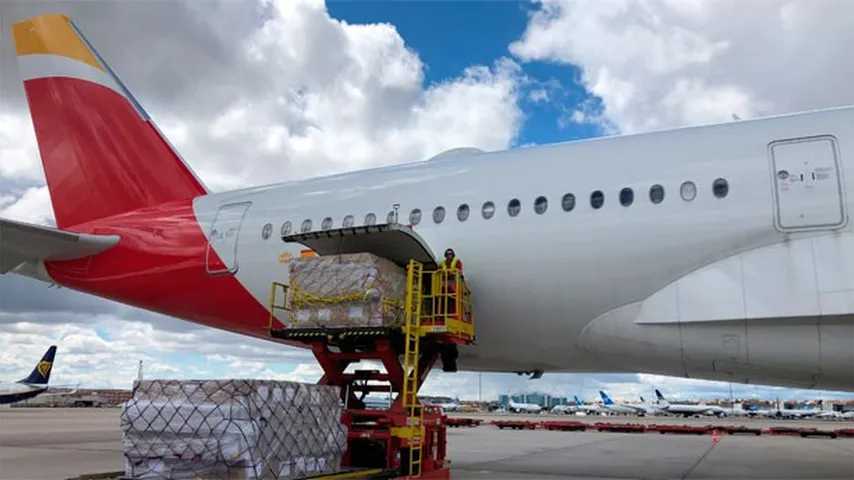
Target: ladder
[(411, 356)]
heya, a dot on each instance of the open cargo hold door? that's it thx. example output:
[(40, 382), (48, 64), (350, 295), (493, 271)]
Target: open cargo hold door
[(393, 241)]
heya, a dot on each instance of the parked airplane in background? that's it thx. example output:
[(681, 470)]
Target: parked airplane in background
[(620, 408), (736, 222), (650, 408), (32, 386), (688, 409), (587, 408), (523, 407)]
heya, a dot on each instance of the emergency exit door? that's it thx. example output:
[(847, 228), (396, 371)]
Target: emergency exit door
[(807, 184), (221, 257)]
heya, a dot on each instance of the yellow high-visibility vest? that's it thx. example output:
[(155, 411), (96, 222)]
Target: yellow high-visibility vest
[(454, 265)]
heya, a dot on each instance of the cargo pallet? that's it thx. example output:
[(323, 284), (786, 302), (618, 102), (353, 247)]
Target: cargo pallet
[(515, 424), (564, 426), (681, 429), (463, 422), (734, 430), (407, 439), (620, 427)]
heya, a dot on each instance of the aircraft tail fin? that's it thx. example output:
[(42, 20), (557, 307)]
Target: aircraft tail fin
[(41, 374), (642, 400), (578, 402), (101, 152), (605, 398), (660, 397)]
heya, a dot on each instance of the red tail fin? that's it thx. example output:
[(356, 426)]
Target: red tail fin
[(101, 153)]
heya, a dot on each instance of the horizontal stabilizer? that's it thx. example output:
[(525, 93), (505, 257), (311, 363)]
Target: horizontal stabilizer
[(23, 243)]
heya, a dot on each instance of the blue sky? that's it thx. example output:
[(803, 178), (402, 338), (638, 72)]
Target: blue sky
[(452, 36)]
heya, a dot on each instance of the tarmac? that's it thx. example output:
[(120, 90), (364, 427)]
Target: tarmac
[(61, 443)]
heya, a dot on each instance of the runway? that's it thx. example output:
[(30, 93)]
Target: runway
[(38, 444)]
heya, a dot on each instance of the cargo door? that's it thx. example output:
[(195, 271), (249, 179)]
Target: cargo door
[(807, 184), (221, 256)]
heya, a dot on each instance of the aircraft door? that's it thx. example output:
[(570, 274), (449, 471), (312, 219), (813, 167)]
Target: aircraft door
[(807, 184), (221, 256)]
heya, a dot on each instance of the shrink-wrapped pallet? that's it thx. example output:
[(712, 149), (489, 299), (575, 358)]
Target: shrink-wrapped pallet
[(352, 290), (231, 429)]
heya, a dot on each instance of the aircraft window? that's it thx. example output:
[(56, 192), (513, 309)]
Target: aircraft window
[(463, 212), (286, 229), (488, 210), (326, 224), (597, 199), (370, 219), (514, 207), (688, 191), (720, 187), (541, 204), (415, 216), (627, 196), (439, 214), (391, 217), (348, 221), (306, 225), (568, 202), (656, 194), (267, 231)]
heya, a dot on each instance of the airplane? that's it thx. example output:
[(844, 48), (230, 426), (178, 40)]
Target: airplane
[(587, 408), (650, 408), (620, 408), (523, 407), (687, 409), (649, 252), (568, 409), (446, 404), (33, 385)]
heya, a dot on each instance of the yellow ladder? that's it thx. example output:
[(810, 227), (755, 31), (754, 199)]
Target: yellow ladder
[(412, 335)]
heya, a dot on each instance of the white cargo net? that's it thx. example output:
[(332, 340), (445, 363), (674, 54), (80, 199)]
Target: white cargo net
[(227, 429)]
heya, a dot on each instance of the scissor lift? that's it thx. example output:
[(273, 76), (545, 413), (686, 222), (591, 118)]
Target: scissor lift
[(407, 439)]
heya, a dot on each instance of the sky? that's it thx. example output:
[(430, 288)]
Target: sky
[(264, 91)]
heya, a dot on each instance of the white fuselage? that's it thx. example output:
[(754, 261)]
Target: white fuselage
[(757, 286), (524, 407)]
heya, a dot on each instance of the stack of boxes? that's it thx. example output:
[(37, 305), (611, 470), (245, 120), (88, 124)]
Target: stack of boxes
[(232, 429)]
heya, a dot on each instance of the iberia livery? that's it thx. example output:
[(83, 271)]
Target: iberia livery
[(720, 252)]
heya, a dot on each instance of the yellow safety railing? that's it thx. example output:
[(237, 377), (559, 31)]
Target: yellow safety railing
[(448, 305)]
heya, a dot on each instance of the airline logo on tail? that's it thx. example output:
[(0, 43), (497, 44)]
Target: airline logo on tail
[(577, 401), (660, 397), (605, 398), (44, 368)]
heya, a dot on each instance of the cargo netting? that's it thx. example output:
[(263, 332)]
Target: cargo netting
[(231, 429)]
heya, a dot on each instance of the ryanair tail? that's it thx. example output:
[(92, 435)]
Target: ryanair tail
[(101, 152), (605, 398), (41, 374)]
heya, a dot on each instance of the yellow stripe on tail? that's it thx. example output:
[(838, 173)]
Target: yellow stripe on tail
[(52, 34)]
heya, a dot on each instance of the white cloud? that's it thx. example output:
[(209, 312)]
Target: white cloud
[(665, 63), (33, 206), (19, 158)]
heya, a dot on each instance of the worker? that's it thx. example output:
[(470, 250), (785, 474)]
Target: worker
[(449, 267), (451, 262)]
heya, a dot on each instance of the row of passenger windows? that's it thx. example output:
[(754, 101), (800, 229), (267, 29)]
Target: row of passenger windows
[(688, 192)]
